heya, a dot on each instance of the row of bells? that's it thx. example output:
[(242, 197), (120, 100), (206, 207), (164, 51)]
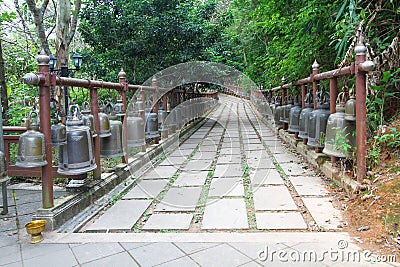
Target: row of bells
[(75, 140), (313, 124)]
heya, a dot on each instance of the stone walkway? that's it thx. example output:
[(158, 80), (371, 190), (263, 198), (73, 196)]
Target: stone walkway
[(230, 195), (232, 174)]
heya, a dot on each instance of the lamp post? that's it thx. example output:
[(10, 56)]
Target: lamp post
[(64, 71)]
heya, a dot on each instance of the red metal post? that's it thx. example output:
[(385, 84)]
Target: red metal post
[(122, 92), (303, 95), (45, 127), (333, 93), (315, 70), (94, 107), (155, 102), (283, 98), (361, 113), (143, 115)]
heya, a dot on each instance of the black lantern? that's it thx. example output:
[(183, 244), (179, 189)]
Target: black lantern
[(52, 62), (77, 60)]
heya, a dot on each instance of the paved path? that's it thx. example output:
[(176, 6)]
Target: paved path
[(230, 195)]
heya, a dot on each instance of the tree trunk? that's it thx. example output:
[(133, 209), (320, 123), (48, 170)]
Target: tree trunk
[(4, 98), (62, 31)]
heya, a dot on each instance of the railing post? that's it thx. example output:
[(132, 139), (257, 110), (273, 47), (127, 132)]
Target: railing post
[(122, 92), (94, 107), (45, 127), (361, 112), (333, 93), (155, 103), (283, 99), (143, 115), (315, 70), (303, 95)]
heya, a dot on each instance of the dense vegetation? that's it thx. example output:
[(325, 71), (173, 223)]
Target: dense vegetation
[(266, 39)]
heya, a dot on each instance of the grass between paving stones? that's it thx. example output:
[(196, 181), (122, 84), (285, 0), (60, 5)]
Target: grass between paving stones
[(248, 192), (201, 204), (146, 215), (137, 228), (295, 196)]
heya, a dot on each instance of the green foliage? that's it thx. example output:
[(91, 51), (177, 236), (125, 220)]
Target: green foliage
[(341, 141), (146, 36)]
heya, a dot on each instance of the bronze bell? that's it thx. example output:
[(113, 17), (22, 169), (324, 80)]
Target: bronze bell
[(111, 147), (104, 123), (317, 121), (285, 111), (162, 116), (294, 115), (151, 125), (58, 134), (3, 167), (178, 115), (134, 128), (88, 118), (119, 108), (340, 138), (77, 157), (277, 113), (304, 117), (170, 120), (350, 108), (31, 145)]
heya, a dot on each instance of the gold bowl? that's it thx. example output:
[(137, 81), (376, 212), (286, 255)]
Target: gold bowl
[(35, 228)]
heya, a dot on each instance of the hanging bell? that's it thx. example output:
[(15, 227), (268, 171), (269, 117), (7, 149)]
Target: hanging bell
[(31, 145), (151, 125), (285, 113), (58, 134), (317, 122), (162, 116), (304, 117), (277, 113), (135, 128), (294, 115), (77, 157), (104, 123), (119, 108), (88, 118), (340, 139), (178, 114), (350, 108), (111, 147), (3, 167)]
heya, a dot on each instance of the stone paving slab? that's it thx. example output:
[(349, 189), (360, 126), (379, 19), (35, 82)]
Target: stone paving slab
[(294, 169), (93, 251), (198, 165), (174, 221), (231, 170), (222, 255), (308, 185), (230, 151), (160, 172), (146, 189), (225, 214), (260, 163), (273, 198), (173, 161), (156, 253), (122, 258), (223, 187), (229, 159), (204, 155), (180, 199), (229, 142), (188, 146), (191, 178), (181, 153), (122, 216), (280, 221), (265, 177), (286, 158), (208, 148), (323, 212)]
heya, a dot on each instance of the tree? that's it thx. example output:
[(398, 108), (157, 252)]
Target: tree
[(147, 36)]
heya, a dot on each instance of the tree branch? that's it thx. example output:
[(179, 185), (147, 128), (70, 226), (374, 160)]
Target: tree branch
[(38, 19), (74, 21), (26, 29)]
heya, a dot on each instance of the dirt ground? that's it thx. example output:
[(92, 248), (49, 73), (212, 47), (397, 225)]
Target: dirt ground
[(373, 214)]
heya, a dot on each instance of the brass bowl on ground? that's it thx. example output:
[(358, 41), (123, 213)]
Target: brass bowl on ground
[(35, 228)]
